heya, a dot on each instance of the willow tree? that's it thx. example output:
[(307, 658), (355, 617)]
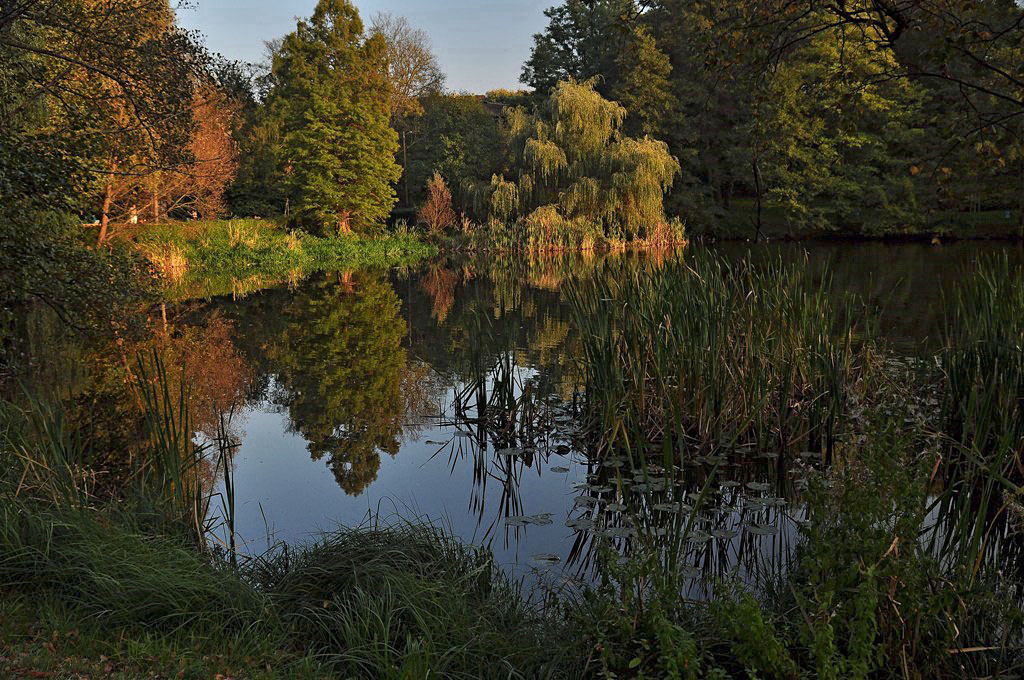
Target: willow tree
[(572, 156)]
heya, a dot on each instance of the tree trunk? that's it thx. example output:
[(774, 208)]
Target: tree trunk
[(405, 168), (156, 203), (105, 218), (345, 224), (757, 187)]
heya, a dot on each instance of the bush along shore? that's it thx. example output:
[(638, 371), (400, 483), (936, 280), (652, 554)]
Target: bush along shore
[(906, 562), (207, 258)]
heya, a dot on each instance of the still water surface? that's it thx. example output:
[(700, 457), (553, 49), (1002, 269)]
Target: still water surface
[(363, 395)]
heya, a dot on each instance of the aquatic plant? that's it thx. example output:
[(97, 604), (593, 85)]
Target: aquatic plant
[(982, 406), (705, 356)]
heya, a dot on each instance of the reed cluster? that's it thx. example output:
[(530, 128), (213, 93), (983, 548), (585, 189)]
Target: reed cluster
[(705, 356), (982, 403)]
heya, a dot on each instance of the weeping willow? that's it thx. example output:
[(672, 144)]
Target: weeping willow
[(572, 162)]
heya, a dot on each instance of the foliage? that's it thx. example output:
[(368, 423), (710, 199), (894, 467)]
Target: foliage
[(457, 137), (437, 212), (839, 139), (572, 157), (331, 93), (582, 40), (825, 114)]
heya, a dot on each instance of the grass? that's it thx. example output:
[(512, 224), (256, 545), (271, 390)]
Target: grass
[(390, 602), (208, 258), (130, 579), (982, 365), (736, 361)]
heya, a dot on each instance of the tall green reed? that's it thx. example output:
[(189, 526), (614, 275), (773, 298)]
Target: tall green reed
[(982, 375), (703, 355), (166, 483)]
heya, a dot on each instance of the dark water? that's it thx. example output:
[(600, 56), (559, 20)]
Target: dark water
[(383, 396)]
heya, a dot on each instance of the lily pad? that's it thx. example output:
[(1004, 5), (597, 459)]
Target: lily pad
[(546, 559), (698, 537), (763, 529), (758, 486), (621, 532), (559, 469), (542, 519), (510, 452), (580, 524)]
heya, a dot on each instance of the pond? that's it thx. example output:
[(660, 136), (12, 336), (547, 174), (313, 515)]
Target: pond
[(450, 394)]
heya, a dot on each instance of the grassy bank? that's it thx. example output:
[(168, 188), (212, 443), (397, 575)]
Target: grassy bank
[(132, 579), (236, 256)]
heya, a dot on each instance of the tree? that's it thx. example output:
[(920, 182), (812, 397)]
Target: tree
[(332, 95), (85, 101), (200, 184), (413, 71), (581, 41), (972, 45), (644, 87), (414, 74), (573, 160), (119, 90), (838, 142), (458, 137), (437, 212)]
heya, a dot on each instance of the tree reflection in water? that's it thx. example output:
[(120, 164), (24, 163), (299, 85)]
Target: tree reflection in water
[(340, 368)]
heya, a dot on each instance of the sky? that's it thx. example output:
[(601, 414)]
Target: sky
[(481, 45)]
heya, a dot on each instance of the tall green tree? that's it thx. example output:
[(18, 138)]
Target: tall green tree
[(644, 84), (332, 95), (581, 41), (840, 140)]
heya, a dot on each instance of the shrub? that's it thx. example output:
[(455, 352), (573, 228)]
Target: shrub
[(437, 212)]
